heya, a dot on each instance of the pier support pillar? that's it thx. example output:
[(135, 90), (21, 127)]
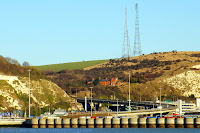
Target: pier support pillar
[(66, 122), (116, 122), (107, 122), (133, 122), (189, 122), (99, 122), (58, 123), (74, 122), (90, 123), (34, 123), (160, 122), (151, 122), (197, 122), (170, 122), (124, 122), (82, 122), (179, 122), (42, 123), (142, 122), (50, 123)]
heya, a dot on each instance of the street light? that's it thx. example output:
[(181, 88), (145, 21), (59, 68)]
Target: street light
[(129, 102), (117, 107), (29, 95), (160, 104), (91, 101), (108, 109), (85, 103), (75, 100)]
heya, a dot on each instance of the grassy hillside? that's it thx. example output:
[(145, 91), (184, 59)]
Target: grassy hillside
[(70, 66), (148, 74)]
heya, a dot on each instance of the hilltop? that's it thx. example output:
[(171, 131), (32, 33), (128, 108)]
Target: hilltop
[(148, 73), (14, 90), (71, 66)]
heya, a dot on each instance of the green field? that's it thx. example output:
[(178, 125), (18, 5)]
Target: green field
[(70, 66)]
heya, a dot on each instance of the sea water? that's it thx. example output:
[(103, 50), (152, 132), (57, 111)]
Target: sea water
[(99, 130)]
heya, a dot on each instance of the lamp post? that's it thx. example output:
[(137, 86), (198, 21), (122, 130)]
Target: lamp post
[(117, 107), (160, 104), (129, 101), (140, 95), (29, 95), (108, 109), (25, 116), (85, 103), (91, 101), (75, 100)]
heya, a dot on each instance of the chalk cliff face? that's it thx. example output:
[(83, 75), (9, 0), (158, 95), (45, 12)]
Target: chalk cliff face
[(14, 93), (187, 82)]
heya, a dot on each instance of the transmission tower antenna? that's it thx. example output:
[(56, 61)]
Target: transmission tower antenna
[(137, 44), (126, 51)]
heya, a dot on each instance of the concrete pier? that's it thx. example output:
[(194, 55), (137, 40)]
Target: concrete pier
[(133, 122), (179, 122), (50, 123), (90, 123), (42, 123), (189, 122), (170, 122), (197, 123), (74, 122), (82, 123), (99, 122), (160, 122), (151, 122), (116, 122), (124, 122), (34, 123), (142, 122), (58, 123), (107, 122), (66, 122)]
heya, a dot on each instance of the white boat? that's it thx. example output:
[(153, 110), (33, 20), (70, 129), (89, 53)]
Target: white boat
[(11, 121), (60, 112)]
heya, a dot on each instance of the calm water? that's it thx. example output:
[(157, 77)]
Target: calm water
[(100, 130)]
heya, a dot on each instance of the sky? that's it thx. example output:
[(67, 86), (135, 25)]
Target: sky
[(45, 32)]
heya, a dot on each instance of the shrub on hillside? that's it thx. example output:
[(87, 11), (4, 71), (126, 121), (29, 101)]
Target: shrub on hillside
[(195, 55), (167, 68), (96, 81), (12, 61)]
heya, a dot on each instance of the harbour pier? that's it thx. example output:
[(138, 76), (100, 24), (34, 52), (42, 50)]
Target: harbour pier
[(115, 122)]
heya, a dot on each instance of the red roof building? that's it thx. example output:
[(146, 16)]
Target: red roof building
[(105, 82)]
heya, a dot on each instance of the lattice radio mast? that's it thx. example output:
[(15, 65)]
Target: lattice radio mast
[(137, 44), (126, 51)]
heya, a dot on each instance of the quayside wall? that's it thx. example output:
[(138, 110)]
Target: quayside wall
[(113, 123)]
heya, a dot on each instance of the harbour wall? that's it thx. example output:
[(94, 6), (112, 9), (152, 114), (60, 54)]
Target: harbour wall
[(114, 123)]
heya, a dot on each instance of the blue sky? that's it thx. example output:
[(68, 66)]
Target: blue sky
[(59, 31)]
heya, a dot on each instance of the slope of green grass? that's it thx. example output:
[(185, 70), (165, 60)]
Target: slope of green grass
[(70, 66)]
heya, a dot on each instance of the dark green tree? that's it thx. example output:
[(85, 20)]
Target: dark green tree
[(192, 96), (96, 81), (25, 64)]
